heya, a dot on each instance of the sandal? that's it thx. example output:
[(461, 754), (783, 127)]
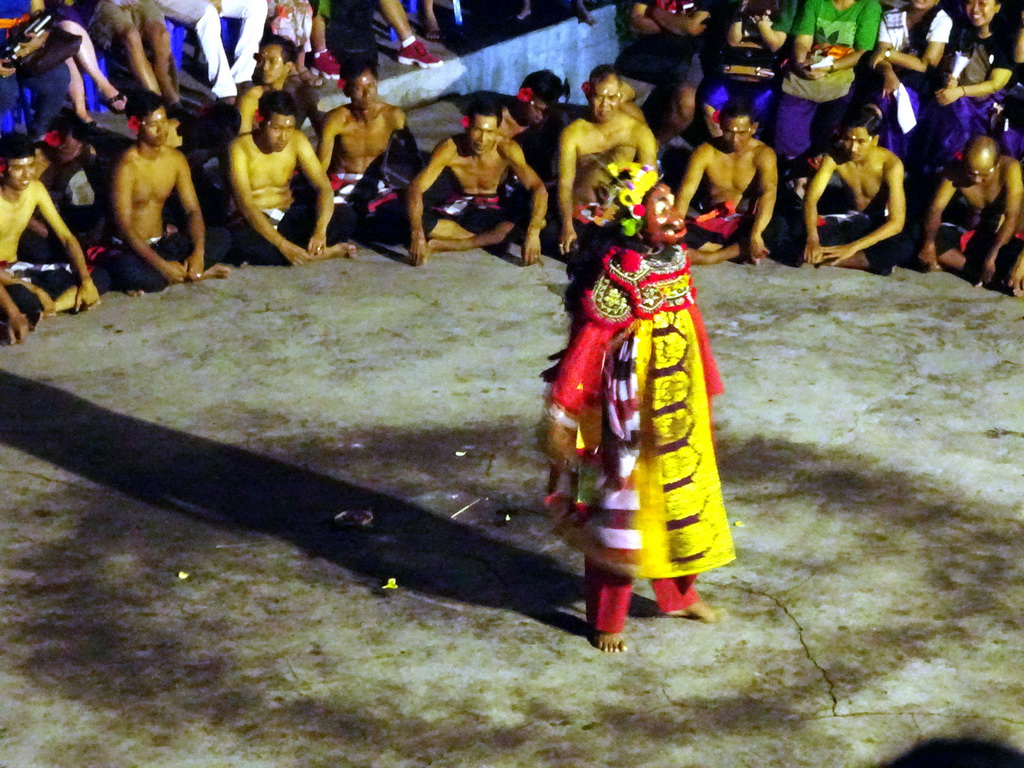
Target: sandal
[(433, 35), (110, 103)]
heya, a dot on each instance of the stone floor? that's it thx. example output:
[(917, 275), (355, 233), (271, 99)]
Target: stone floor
[(173, 594)]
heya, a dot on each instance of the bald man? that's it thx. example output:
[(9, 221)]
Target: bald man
[(610, 133), (985, 188)]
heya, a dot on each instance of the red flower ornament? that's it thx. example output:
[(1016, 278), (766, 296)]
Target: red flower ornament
[(3, 165), (631, 261), (639, 211), (53, 139), (525, 95), (716, 116), (134, 123), (465, 122), (342, 82), (257, 118), (585, 87)]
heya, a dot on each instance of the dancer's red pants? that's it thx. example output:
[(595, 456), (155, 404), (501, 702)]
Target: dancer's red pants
[(608, 596)]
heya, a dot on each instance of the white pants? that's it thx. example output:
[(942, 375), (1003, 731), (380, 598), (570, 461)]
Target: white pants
[(203, 17)]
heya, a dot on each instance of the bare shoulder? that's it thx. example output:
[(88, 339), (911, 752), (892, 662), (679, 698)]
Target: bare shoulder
[(394, 115), (576, 129), (510, 149), (1009, 167), (250, 96), (445, 148), (242, 146), (762, 151), (338, 117)]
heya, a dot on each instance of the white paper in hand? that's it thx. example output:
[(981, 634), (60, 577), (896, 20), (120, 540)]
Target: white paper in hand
[(905, 110)]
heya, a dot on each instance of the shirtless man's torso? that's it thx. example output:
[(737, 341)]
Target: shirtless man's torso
[(990, 186), (587, 146), (480, 159), (740, 173)]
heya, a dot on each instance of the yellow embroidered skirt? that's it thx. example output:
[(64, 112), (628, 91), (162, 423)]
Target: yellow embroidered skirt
[(681, 518)]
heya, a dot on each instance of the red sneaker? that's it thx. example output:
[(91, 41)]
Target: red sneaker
[(416, 53), (325, 63)]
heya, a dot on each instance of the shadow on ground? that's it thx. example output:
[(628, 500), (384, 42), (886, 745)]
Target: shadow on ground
[(97, 641)]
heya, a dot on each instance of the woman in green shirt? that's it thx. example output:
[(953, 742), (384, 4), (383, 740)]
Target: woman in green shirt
[(831, 36)]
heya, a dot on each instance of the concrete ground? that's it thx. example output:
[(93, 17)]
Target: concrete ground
[(174, 596)]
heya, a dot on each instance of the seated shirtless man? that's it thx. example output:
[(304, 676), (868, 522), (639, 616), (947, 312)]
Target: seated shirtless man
[(741, 180), (985, 188), (277, 229), (587, 146), (367, 151), (30, 288), (149, 253), (868, 232), (469, 212), (276, 71)]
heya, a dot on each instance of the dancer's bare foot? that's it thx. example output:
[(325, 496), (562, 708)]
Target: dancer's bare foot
[(135, 294), (609, 642), (526, 10), (699, 611)]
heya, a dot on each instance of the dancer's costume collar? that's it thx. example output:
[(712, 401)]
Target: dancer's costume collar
[(635, 286)]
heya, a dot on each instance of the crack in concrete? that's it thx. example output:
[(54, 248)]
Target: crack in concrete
[(800, 636), (916, 714)]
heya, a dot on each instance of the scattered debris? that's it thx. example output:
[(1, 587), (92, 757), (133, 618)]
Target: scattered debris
[(460, 453), (182, 575), (392, 584), (738, 524), (468, 506), (353, 518)]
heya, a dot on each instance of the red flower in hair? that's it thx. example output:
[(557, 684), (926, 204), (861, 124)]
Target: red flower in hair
[(639, 211), (3, 165), (257, 118), (53, 139), (342, 82), (465, 122), (525, 95), (716, 116), (134, 123), (585, 87), (958, 156)]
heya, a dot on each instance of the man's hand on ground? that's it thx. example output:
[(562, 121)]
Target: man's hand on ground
[(836, 254), (568, 240), (293, 253), (86, 296), (929, 259), (17, 328), (988, 271), (173, 272), (757, 251), (1015, 280), (194, 266), (812, 252), (531, 248), (418, 249), (317, 244)]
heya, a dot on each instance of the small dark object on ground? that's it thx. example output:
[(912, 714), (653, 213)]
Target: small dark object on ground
[(353, 518)]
